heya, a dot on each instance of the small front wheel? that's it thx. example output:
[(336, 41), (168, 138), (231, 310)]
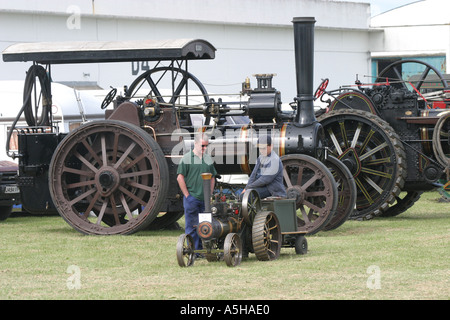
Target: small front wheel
[(185, 250), (301, 245), (232, 250)]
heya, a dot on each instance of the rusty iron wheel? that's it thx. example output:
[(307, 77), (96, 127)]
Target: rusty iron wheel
[(312, 185), (108, 177), (266, 236)]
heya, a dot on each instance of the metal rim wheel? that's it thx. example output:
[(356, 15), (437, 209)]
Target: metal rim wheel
[(251, 205), (266, 236), (346, 188), (108, 177), (185, 250), (312, 185), (232, 250), (149, 82), (372, 151)]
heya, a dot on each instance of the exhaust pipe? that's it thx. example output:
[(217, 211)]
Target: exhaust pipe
[(304, 69), (207, 190)]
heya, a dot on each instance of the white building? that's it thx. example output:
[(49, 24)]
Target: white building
[(420, 30), (251, 36)]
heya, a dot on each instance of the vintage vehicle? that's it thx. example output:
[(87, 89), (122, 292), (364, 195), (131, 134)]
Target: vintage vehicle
[(118, 175), (230, 228), (393, 136), (9, 192)]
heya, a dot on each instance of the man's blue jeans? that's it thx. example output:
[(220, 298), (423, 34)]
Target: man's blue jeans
[(192, 207)]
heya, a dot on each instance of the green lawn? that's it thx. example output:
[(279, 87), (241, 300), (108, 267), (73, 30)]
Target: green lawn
[(404, 257)]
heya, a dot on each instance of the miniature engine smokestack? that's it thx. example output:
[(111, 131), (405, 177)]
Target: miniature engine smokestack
[(304, 68), (207, 190)]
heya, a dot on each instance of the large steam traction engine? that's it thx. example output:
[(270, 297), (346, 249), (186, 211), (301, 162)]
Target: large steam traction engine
[(118, 176), (393, 136)]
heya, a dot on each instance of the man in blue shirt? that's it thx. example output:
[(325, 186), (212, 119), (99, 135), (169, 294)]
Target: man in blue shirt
[(267, 176)]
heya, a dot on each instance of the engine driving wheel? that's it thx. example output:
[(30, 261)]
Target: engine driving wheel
[(313, 187), (108, 177), (346, 188), (372, 151), (266, 236)]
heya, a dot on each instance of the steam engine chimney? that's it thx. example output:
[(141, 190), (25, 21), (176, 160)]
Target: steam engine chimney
[(207, 190), (304, 67)]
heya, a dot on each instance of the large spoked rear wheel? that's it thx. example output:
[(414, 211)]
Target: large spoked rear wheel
[(314, 189), (372, 151), (108, 177)]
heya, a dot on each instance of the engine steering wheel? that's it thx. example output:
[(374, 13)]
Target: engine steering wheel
[(321, 89), (109, 98)]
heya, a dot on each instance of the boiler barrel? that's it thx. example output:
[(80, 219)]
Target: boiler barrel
[(236, 152)]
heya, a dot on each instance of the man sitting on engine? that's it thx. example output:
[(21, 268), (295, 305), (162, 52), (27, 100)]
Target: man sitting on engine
[(267, 176)]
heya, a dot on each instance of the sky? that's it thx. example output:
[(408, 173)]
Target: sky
[(380, 6)]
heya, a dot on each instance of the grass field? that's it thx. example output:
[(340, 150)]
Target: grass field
[(405, 257)]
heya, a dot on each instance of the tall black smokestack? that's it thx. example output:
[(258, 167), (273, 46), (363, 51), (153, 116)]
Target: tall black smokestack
[(304, 68)]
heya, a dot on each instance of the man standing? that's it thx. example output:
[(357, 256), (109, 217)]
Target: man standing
[(267, 176), (190, 168)]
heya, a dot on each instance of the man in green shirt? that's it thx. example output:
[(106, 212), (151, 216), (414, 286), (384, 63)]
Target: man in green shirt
[(190, 168)]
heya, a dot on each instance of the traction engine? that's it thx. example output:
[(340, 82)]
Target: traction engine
[(118, 175), (392, 136)]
